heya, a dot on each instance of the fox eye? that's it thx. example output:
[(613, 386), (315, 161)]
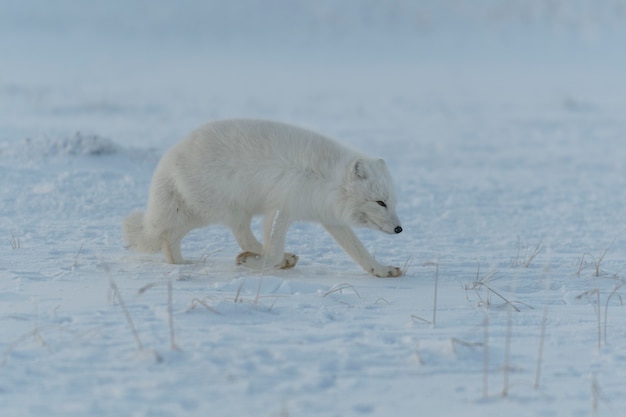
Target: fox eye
[(381, 203)]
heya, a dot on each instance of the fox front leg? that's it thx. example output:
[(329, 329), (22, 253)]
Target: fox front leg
[(350, 243)]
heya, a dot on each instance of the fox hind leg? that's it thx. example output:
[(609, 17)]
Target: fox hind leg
[(171, 251), (259, 256), (244, 236)]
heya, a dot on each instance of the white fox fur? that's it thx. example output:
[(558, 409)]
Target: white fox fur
[(229, 171)]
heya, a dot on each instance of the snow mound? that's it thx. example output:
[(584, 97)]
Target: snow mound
[(78, 144)]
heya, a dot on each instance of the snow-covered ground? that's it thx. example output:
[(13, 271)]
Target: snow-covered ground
[(503, 123)]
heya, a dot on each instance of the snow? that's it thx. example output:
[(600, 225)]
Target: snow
[(503, 124)]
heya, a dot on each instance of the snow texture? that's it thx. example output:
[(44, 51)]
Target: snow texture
[(502, 122)]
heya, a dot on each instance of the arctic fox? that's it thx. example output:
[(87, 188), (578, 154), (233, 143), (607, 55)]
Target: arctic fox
[(229, 171)]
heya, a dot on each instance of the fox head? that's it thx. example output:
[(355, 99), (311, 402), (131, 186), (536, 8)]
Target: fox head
[(371, 199)]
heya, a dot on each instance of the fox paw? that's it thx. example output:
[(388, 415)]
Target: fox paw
[(255, 260), (289, 261), (386, 272), (244, 257)]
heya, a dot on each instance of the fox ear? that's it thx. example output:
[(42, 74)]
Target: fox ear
[(358, 171)]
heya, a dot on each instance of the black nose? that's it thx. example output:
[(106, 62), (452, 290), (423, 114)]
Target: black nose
[(398, 229)]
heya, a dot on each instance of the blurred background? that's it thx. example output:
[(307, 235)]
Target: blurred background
[(116, 67)]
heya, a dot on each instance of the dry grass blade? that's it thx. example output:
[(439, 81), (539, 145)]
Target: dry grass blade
[(533, 254), (503, 298), (196, 301), (170, 315), (407, 265), (258, 291), (601, 258), (582, 265), (544, 321), (606, 306), (148, 287), (595, 395), (75, 263), (485, 356), (237, 299), (507, 355), (382, 300), (170, 308), (460, 342), (597, 263), (420, 319), (129, 319), (482, 283), (186, 275), (15, 241), (589, 295), (436, 265), (34, 334), (529, 254), (339, 288), (118, 295), (420, 361)]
